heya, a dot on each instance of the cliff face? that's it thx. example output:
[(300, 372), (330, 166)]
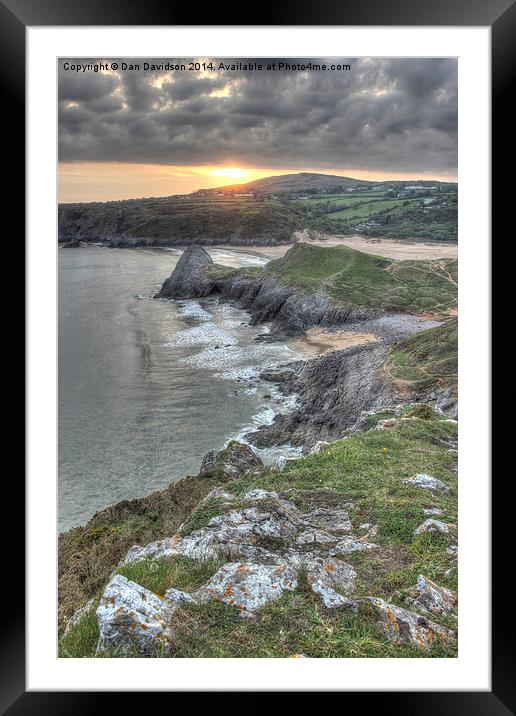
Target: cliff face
[(333, 391)]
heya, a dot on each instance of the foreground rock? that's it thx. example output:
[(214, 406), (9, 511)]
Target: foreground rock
[(268, 529), (326, 577), (268, 542), (235, 460), (431, 525), (187, 277), (432, 598), (248, 586), (129, 616), (427, 482), (404, 627)]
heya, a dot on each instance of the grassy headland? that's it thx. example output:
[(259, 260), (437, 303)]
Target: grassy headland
[(354, 278)]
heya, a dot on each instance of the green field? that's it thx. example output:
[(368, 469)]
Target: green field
[(395, 212), (371, 208)]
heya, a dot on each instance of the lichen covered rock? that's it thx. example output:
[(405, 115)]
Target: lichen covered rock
[(433, 598), (404, 627), (131, 617), (431, 525), (427, 482), (331, 579), (248, 586), (233, 461)]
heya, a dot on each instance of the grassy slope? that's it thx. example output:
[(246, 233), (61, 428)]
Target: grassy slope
[(356, 278), (366, 468), (426, 358)]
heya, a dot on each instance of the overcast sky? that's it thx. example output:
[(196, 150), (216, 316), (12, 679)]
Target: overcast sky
[(384, 117)]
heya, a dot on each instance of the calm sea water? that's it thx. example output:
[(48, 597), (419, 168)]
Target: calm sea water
[(147, 387)]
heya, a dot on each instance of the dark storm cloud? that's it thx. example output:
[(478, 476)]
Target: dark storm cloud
[(384, 114)]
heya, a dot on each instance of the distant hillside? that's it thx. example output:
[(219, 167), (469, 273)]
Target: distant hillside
[(290, 183), (188, 220), (269, 212)]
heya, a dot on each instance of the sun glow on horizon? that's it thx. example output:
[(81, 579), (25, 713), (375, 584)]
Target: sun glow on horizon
[(108, 181), (229, 172)]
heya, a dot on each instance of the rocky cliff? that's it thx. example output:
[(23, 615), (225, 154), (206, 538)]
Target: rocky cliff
[(261, 293), (335, 389), (320, 286)]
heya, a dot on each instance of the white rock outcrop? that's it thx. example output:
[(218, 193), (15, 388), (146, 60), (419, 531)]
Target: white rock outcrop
[(431, 525), (331, 580), (427, 482), (248, 586), (131, 617)]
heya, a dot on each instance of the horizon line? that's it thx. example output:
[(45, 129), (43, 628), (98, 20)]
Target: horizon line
[(413, 178)]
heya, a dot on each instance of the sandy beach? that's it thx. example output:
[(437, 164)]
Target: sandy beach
[(318, 341), (389, 248)]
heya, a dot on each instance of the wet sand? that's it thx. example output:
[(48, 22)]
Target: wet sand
[(389, 248), (318, 341)]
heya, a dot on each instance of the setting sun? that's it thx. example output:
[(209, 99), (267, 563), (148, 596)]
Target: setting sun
[(229, 172)]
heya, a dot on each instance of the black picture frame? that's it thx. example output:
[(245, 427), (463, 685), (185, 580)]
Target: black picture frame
[(500, 15)]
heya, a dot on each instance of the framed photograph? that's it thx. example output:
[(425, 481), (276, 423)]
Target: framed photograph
[(258, 367)]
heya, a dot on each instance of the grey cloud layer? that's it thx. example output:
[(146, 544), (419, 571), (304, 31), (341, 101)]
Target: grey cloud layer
[(384, 114)]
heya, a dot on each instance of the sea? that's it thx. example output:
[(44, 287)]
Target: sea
[(148, 386)]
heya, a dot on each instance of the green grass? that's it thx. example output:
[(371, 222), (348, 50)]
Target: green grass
[(356, 278), (180, 572), (372, 208), (294, 624), (426, 358), (367, 469), (81, 640)]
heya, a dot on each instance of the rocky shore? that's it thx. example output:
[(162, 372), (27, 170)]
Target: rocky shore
[(333, 389), (264, 297)]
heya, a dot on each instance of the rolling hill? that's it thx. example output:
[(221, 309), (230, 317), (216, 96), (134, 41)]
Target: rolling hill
[(269, 211)]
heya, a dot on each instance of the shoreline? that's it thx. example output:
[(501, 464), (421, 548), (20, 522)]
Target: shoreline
[(316, 342)]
